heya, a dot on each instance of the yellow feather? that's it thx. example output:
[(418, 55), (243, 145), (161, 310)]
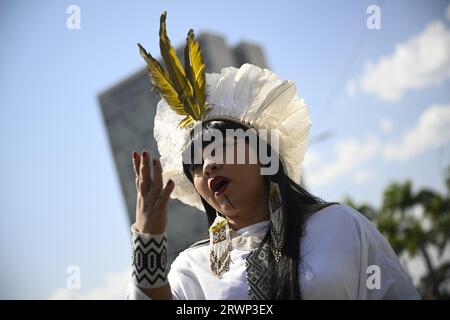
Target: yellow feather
[(183, 89), (195, 70), (175, 71), (161, 81), (186, 122)]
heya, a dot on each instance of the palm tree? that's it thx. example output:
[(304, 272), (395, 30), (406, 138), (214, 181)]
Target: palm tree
[(415, 223)]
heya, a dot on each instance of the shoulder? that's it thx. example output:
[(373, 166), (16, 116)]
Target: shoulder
[(200, 243), (343, 225), (189, 262), (194, 254), (337, 217), (334, 210), (336, 226), (343, 222)]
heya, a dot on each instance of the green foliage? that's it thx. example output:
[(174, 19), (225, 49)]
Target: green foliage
[(413, 223)]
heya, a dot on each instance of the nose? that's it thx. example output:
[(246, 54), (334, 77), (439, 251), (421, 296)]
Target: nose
[(209, 166)]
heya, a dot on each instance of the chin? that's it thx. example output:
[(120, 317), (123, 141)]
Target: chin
[(229, 210), (226, 209)]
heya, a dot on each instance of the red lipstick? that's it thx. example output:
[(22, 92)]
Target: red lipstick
[(218, 185)]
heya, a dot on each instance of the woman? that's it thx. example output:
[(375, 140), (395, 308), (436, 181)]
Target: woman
[(269, 238)]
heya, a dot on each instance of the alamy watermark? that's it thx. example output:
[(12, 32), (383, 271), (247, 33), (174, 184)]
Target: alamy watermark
[(374, 277), (73, 21), (374, 19), (237, 146), (73, 281)]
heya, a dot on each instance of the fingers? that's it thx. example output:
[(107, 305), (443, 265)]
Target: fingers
[(164, 199), (157, 173), (150, 186), (144, 173), (155, 191), (136, 165)]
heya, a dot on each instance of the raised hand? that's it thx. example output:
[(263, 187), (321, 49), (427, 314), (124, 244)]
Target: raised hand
[(152, 198)]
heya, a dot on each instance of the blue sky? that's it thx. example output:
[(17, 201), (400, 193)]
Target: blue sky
[(383, 93)]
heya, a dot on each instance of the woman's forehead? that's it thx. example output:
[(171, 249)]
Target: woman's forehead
[(201, 146), (213, 142), (227, 135)]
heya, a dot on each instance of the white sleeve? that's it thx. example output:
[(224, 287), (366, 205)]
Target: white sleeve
[(135, 293), (182, 280), (339, 251), (381, 258)]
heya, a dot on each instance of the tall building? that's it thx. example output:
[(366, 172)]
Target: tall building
[(128, 110)]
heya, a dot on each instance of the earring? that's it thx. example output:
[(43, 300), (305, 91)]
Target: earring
[(220, 246), (277, 225)]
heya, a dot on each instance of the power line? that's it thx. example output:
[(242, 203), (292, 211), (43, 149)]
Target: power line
[(344, 73)]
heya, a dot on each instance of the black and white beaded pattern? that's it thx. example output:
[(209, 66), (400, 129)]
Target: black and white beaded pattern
[(257, 271), (149, 269)]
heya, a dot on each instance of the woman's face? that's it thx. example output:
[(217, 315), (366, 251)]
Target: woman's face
[(233, 188)]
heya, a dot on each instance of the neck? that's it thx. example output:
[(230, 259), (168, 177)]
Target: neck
[(259, 212)]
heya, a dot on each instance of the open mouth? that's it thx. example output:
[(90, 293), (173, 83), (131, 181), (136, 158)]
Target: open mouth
[(219, 185)]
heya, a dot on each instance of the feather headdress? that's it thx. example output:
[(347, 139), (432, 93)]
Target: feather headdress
[(182, 88), (255, 97)]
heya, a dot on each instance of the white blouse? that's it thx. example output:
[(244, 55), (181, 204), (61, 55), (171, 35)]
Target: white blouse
[(343, 257)]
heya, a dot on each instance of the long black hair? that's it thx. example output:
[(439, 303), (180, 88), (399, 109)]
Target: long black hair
[(297, 203)]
